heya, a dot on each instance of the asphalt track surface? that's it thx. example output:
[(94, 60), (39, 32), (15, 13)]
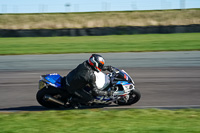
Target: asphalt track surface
[(166, 80)]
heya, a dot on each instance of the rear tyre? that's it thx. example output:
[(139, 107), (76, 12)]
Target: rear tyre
[(134, 98), (53, 92)]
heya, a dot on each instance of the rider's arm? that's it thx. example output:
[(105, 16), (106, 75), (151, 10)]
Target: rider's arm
[(95, 90)]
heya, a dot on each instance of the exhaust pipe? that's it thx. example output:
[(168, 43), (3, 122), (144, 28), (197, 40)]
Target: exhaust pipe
[(51, 99)]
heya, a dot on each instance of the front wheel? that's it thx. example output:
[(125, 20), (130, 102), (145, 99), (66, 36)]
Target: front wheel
[(53, 92), (134, 97)]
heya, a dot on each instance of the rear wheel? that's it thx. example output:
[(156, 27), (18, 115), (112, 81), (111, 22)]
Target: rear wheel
[(133, 98), (53, 92)]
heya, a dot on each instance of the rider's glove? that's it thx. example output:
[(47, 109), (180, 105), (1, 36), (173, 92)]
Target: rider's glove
[(108, 68)]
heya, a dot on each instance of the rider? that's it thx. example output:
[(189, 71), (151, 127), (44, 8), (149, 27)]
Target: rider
[(82, 76)]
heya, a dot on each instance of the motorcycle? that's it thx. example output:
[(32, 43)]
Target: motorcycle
[(51, 94)]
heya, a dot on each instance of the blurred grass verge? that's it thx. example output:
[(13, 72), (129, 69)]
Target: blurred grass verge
[(98, 44), (102, 121), (99, 19)]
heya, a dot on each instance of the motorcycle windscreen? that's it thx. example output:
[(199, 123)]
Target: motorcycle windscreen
[(123, 75)]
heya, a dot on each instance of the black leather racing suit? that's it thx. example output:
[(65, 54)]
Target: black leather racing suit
[(79, 78)]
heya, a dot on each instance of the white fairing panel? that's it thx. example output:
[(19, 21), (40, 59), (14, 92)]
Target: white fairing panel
[(102, 80)]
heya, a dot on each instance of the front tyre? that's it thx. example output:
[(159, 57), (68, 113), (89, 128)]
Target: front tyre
[(53, 92), (134, 97)]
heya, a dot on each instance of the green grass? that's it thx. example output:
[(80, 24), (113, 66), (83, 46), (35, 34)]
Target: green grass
[(95, 44), (102, 121)]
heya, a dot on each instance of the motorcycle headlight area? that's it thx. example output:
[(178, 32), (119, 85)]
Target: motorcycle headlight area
[(122, 93), (124, 88), (42, 84)]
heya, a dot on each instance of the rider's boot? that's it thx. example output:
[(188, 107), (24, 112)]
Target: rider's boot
[(73, 103)]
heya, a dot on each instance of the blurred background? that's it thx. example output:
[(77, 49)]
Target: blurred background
[(130, 34), (82, 14), (46, 6)]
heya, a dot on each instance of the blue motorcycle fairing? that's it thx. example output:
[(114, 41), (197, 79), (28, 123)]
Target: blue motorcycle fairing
[(123, 83), (53, 79)]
